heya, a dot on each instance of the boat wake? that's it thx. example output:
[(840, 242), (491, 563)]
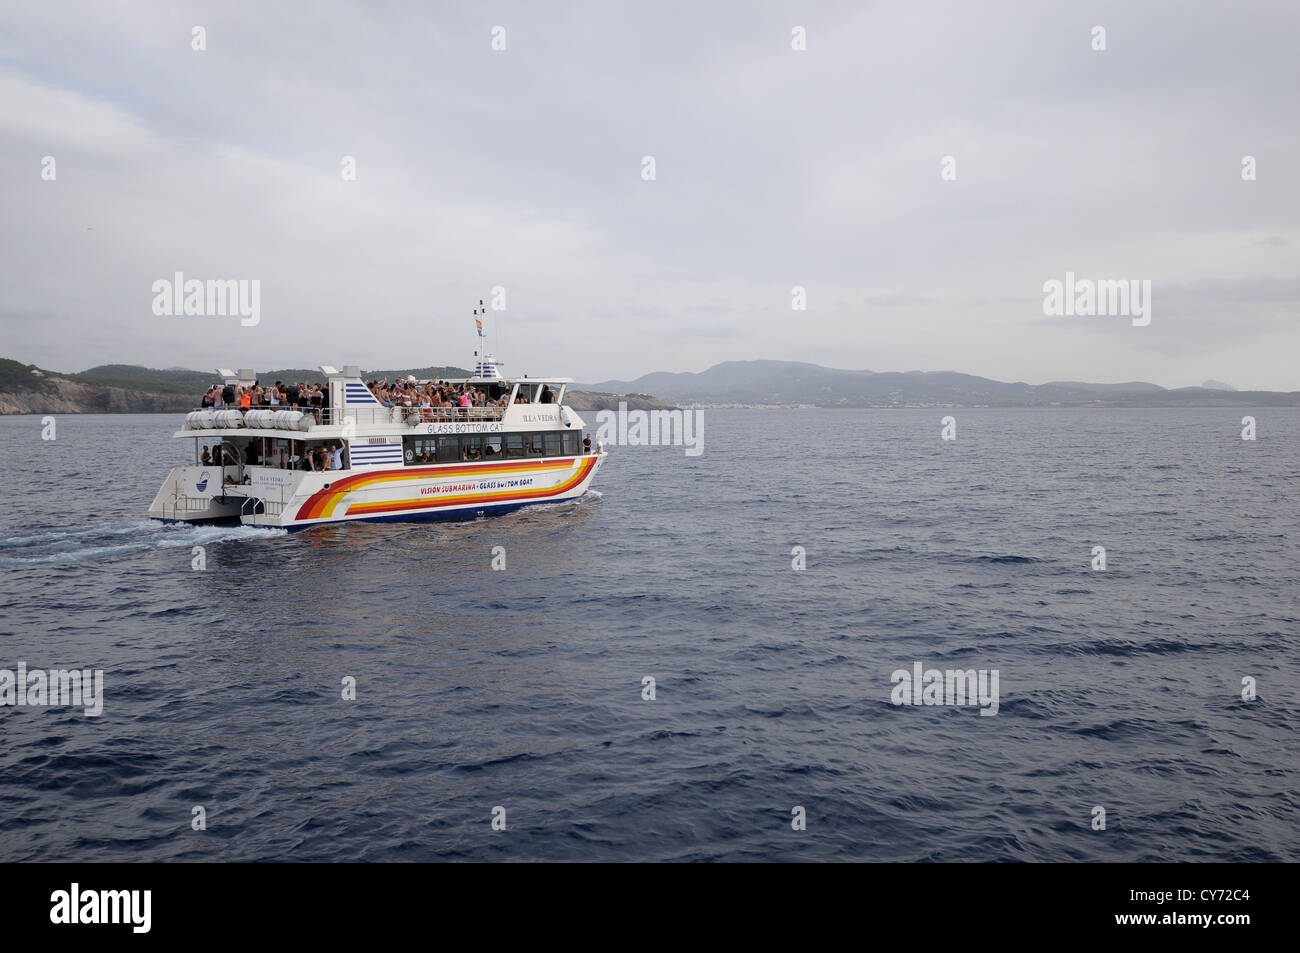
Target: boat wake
[(57, 536), (84, 544)]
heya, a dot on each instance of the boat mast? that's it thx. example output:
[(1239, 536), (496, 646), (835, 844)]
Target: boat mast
[(485, 365)]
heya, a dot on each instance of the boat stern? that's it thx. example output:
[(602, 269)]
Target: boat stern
[(194, 494)]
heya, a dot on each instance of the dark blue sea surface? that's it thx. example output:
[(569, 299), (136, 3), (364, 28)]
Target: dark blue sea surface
[(522, 688)]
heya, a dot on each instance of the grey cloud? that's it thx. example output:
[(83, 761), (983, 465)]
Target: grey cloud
[(775, 168)]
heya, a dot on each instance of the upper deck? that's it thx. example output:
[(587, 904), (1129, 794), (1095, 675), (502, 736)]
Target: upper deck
[(348, 406)]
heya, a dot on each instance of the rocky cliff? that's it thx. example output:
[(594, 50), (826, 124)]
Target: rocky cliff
[(57, 395)]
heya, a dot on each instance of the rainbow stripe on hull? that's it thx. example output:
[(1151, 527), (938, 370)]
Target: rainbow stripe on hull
[(435, 491), (499, 509)]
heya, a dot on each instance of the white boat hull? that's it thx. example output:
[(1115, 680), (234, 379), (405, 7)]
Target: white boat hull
[(293, 498)]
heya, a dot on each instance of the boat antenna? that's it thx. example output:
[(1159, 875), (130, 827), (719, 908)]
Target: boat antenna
[(485, 365), (480, 353)]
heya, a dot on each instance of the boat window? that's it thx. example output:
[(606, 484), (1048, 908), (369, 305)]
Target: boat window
[(448, 449), (491, 446), (419, 451), (514, 445), (471, 447), (551, 441), (571, 441)]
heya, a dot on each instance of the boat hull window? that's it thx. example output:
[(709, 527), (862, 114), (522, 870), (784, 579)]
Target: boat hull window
[(424, 450), (420, 451), (448, 449)]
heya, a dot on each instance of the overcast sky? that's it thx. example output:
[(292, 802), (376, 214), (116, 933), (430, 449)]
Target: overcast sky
[(775, 167)]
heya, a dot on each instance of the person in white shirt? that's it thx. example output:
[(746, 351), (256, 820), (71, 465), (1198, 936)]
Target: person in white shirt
[(336, 457)]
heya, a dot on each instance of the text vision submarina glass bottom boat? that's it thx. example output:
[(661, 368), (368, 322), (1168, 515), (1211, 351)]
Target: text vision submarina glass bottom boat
[(436, 449)]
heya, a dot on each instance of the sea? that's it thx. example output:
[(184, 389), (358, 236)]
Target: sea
[(706, 658)]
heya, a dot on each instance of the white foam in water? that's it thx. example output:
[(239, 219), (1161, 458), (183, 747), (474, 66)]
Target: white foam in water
[(157, 536), (199, 535), (50, 536), (73, 555)]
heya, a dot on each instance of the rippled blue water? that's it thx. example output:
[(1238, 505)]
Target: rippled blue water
[(522, 689)]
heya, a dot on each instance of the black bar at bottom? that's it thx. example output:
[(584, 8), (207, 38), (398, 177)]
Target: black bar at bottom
[(336, 902)]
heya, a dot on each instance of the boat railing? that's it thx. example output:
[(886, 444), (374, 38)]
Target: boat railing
[(397, 415), (261, 506), (365, 416)]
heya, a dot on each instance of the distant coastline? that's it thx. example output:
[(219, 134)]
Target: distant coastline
[(792, 384), (742, 385)]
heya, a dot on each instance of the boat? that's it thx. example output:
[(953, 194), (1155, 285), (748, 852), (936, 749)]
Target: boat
[(386, 461)]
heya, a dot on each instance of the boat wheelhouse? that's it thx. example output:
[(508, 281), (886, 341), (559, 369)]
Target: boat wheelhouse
[(381, 461)]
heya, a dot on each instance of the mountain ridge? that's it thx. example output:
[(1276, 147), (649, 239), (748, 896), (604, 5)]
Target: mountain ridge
[(797, 383), (130, 388)]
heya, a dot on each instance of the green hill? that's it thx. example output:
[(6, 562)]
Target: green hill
[(133, 377), (18, 378)]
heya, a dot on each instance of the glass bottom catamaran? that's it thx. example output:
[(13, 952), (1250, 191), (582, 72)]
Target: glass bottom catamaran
[(397, 463)]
